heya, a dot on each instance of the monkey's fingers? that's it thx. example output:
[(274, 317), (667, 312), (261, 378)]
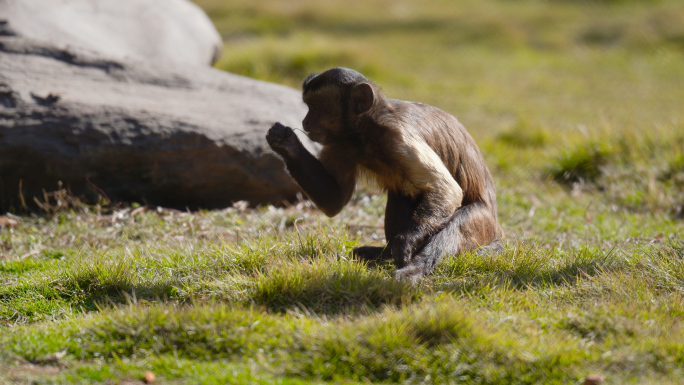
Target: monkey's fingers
[(273, 140), (279, 129), (279, 140), (279, 145), (277, 134), (282, 133)]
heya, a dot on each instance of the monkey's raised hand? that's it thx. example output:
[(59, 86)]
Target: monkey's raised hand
[(284, 141)]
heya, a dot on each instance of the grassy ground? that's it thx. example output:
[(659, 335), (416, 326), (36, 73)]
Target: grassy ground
[(578, 107)]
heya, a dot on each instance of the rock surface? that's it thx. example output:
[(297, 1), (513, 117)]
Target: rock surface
[(163, 31), (184, 136)]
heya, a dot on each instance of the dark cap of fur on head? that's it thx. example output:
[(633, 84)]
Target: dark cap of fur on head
[(339, 76)]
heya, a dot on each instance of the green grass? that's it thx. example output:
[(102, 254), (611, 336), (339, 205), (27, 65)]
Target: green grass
[(578, 109), (581, 164)]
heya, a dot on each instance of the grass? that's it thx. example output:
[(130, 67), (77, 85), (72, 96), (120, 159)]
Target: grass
[(581, 164), (577, 107)]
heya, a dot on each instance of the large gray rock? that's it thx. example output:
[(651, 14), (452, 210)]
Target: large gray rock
[(180, 137), (163, 31)]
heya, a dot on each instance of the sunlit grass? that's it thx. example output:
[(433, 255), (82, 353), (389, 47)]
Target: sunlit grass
[(577, 107), (580, 164)]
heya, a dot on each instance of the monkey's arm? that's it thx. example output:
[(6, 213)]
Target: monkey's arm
[(329, 191), (331, 187)]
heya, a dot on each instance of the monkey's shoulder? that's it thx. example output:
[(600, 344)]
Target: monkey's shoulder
[(416, 107), (423, 119)]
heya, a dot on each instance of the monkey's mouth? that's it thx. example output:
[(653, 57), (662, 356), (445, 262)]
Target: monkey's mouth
[(316, 136)]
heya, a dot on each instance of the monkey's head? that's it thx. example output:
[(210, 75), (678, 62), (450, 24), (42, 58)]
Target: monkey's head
[(336, 99)]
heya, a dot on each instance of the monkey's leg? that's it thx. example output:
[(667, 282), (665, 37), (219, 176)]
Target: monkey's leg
[(436, 193), (427, 219), (398, 218), (473, 227)]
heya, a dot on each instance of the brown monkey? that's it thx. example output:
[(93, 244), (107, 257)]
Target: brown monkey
[(440, 193)]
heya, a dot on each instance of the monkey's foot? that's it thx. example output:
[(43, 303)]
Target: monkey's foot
[(411, 274), (493, 248)]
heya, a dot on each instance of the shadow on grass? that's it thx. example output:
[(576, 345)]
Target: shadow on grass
[(84, 292), (330, 286)]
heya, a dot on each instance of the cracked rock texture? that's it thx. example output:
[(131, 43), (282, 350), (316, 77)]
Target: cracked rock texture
[(176, 136)]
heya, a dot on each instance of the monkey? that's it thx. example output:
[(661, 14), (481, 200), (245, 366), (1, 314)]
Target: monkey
[(441, 196)]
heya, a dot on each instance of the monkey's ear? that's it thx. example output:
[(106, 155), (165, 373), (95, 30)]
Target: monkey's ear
[(362, 97)]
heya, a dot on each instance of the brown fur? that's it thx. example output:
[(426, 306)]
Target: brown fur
[(441, 194)]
